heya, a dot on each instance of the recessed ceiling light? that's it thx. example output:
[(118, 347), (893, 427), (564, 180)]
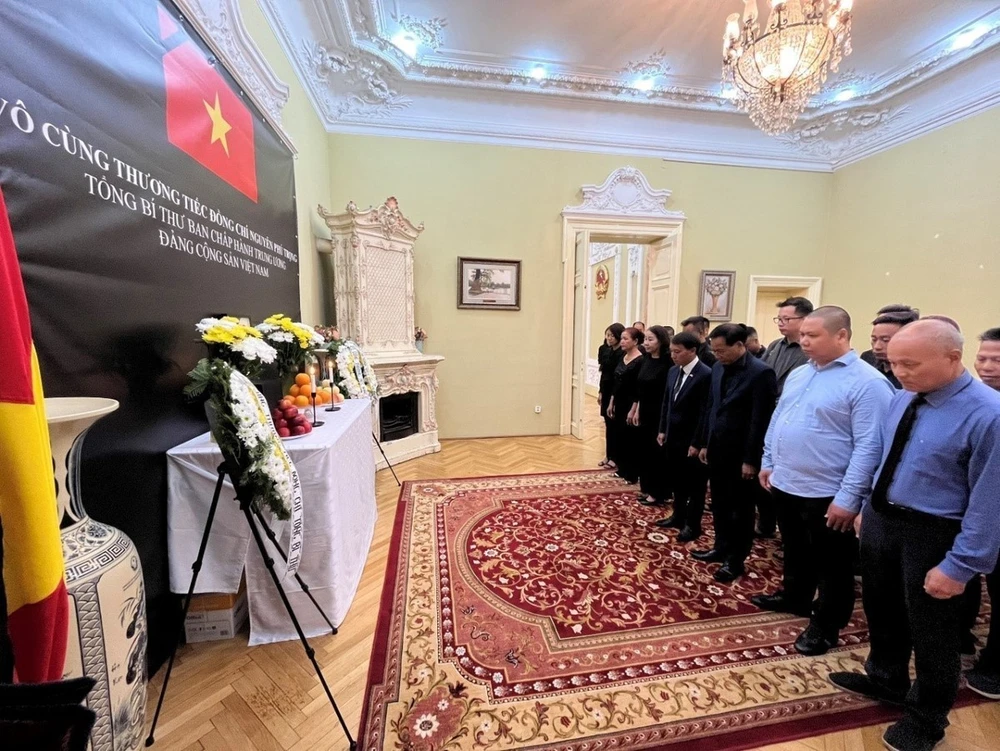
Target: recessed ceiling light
[(729, 93), (538, 72), (968, 38), (845, 96), (407, 43), (645, 83)]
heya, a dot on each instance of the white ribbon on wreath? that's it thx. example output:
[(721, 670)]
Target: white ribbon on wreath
[(256, 427)]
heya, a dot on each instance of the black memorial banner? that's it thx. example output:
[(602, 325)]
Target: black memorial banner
[(145, 192)]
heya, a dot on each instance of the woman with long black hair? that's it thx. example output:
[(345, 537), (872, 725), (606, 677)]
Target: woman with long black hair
[(623, 398), (651, 383), (608, 356)]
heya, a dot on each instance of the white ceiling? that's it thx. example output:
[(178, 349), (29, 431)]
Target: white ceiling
[(471, 77)]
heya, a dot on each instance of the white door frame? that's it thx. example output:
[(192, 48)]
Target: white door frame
[(813, 285), (624, 205)]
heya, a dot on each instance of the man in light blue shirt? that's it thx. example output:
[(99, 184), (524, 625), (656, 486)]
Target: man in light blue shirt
[(929, 527), (820, 453)]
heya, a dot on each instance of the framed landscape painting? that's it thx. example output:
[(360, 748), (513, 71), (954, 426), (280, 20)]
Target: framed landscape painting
[(717, 290), (489, 283)]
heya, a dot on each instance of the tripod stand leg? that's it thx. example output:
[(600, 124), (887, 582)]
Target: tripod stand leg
[(281, 551), (310, 652), (387, 463), (195, 570)]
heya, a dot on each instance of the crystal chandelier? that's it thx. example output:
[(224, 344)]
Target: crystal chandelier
[(773, 74)]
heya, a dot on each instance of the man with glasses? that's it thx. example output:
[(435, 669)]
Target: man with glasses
[(784, 355)]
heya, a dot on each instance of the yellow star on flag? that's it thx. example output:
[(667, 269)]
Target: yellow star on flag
[(219, 125)]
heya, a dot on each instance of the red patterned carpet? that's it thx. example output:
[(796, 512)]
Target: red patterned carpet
[(547, 612)]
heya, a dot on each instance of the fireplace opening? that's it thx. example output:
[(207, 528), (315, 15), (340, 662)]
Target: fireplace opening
[(398, 416)]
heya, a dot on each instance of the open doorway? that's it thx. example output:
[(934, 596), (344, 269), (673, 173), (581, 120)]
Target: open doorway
[(765, 294), (625, 212)]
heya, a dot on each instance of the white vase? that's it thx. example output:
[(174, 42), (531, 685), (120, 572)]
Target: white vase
[(107, 630)]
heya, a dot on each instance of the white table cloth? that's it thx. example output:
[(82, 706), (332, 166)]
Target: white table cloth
[(337, 472)]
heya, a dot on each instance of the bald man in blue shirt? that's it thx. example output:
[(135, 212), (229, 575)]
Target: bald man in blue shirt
[(929, 527)]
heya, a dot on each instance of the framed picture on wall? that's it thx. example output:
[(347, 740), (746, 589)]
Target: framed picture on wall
[(489, 283), (717, 290)]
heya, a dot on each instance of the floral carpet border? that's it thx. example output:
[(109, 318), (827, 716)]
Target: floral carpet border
[(777, 723)]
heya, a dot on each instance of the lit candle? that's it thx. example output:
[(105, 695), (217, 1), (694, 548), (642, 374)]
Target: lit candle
[(329, 369), (312, 378)]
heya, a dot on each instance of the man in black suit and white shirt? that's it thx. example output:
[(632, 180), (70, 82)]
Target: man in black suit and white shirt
[(730, 441), (684, 402)]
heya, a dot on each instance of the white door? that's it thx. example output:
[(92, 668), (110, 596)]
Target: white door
[(580, 287), (661, 284)]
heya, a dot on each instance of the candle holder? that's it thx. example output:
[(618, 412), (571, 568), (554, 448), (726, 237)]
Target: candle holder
[(315, 423), (332, 408)]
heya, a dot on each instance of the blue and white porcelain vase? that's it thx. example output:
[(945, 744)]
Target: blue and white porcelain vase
[(107, 630)]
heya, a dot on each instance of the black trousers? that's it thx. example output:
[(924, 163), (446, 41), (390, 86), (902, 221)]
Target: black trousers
[(688, 480), (609, 428), (652, 463), (989, 657), (626, 447), (817, 558), (766, 511), (732, 509), (898, 548)]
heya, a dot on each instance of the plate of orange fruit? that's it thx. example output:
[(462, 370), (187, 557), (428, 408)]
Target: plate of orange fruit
[(301, 392)]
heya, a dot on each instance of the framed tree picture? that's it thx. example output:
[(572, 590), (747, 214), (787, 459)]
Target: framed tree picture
[(489, 283), (717, 290)]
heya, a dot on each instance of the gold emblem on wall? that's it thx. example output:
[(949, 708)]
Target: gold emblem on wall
[(602, 281)]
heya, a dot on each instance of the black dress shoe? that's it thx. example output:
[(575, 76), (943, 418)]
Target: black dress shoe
[(813, 642), (908, 735), (689, 533), (859, 683), (671, 521), (779, 603), (709, 556), (644, 501), (728, 573)]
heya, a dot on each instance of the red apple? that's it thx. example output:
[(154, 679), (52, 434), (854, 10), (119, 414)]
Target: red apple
[(308, 427), (284, 432), (299, 420), (299, 430), (282, 423), (276, 414), (285, 404), (290, 413)]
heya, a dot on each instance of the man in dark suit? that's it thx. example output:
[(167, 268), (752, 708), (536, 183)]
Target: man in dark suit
[(730, 441), (684, 403), (698, 325)]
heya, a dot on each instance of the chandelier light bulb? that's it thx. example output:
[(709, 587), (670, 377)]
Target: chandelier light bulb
[(538, 72), (749, 11)]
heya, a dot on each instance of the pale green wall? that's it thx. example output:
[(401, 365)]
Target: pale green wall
[(505, 202), (919, 224), (312, 165)]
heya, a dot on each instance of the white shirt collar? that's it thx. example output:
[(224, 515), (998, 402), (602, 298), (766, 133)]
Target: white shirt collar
[(689, 368)]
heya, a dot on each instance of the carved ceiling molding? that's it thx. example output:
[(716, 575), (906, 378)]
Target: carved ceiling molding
[(625, 192), (220, 24), (836, 135), (359, 82)]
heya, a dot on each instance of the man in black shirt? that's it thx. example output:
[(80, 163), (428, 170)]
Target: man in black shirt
[(754, 347), (784, 355), (886, 325), (698, 325)]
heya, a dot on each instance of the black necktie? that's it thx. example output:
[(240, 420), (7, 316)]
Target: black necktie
[(680, 382), (880, 494)]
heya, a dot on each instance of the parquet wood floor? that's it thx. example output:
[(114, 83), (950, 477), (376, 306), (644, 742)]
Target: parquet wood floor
[(224, 695)]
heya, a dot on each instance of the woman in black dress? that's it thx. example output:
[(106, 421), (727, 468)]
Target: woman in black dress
[(608, 356), (623, 399), (651, 384)]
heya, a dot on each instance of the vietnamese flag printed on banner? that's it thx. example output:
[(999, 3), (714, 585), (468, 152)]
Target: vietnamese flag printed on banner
[(33, 572), (207, 121)]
